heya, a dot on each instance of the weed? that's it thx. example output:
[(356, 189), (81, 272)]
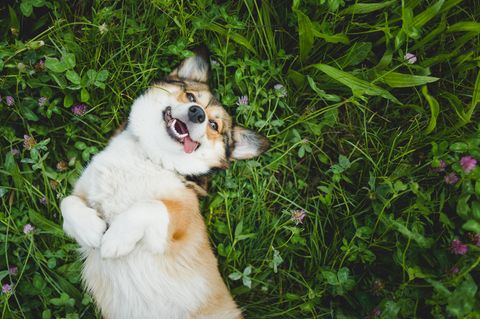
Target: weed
[(368, 202)]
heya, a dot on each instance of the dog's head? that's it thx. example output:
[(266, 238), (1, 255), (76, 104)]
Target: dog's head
[(180, 124)]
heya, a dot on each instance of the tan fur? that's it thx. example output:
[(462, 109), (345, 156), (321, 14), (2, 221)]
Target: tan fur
[(223, 120), (189, 243), (119, 129), (199, 187)]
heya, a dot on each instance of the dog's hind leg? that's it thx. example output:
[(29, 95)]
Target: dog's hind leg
[(82, 222)]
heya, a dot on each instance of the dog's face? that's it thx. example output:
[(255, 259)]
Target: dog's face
[(182, 125)]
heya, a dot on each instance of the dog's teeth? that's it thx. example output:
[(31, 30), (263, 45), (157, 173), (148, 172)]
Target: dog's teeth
[(171, 125)]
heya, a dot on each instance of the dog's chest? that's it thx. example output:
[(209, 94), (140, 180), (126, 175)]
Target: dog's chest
[(114, 186)]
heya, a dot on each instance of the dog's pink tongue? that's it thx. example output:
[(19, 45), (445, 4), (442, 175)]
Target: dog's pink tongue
[(189, 145)]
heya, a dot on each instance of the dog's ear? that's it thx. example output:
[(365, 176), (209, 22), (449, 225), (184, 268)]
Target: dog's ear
[(194, 68), (247, 143)]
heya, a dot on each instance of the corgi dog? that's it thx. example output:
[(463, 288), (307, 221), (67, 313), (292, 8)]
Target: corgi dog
[(136, 215)]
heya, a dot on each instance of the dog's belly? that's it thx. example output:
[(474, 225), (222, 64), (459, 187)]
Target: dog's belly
[(143, 285)]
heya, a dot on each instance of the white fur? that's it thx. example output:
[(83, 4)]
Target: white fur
[(146, 123), (247, 143), (129, 275), (130, 283), (148, 220), (138, 286), (82, 222)]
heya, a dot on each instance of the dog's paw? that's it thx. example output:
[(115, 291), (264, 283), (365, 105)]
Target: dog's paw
[(119, 240), (146, 221), (91, 232), (156, 235), (82, 223)]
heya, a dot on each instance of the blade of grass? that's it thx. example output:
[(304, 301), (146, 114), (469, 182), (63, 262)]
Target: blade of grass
[(434, 110), (475, 98), (422, 18), (401, 80), (363, 8), (335, 38), (465, 26), (305, 34), (359, 87), (236, 37)]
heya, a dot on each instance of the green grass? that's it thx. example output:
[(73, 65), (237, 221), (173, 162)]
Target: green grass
[(355, 143)]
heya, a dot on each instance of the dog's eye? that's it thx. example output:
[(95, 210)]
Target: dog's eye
[(191, 97), (213, 125)]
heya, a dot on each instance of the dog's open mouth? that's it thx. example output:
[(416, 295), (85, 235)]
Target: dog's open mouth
[(179, 131)]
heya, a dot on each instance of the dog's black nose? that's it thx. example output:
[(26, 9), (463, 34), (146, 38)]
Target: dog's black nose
[(196, 114)]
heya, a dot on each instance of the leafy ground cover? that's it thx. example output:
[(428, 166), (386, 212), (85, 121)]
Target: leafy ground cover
[(366, 206)]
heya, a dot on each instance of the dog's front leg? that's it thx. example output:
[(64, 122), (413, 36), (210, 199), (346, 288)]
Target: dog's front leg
[(82, 222), (145, 220)]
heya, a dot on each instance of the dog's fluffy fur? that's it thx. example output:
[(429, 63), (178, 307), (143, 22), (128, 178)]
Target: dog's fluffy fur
[(155, 260)]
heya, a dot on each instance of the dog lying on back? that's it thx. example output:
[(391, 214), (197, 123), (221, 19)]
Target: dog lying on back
[(155, 260)]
